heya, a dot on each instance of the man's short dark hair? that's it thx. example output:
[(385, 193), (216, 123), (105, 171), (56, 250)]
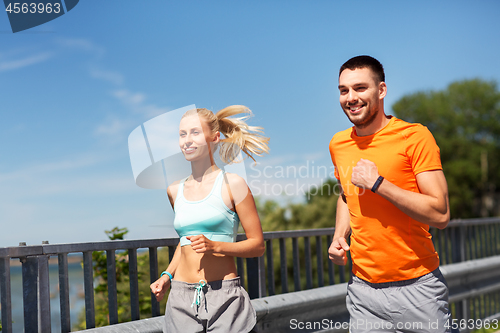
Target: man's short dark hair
[(365, 61)]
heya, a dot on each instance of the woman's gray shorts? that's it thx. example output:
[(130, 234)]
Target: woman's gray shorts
[(416, 305), (224, 306)]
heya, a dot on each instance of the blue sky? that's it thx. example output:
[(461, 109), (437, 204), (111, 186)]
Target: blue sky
[(73, 89)]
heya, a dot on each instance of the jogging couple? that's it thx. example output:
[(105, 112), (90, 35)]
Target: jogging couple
[(393, 190)]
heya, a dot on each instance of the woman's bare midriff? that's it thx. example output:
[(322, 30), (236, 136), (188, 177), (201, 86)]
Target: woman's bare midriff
[(194, 267)]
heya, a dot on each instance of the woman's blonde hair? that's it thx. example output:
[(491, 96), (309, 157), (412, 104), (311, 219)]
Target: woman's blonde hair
[(239, 135)]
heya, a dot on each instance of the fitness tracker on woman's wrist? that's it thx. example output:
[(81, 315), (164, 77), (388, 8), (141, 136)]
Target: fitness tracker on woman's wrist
[(169, 275)]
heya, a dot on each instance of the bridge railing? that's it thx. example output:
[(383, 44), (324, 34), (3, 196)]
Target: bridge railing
[(303, 264), (467, 239)]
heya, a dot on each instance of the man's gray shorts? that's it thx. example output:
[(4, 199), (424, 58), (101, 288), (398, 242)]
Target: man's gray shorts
[(416, 305), (224, 307)]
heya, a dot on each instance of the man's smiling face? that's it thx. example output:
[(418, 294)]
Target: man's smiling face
[(360, 96)]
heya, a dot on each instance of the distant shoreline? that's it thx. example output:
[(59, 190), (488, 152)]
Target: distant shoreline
[(72, 258)]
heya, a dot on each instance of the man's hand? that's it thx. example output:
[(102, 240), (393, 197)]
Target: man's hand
[(338, 251), (364, 174)]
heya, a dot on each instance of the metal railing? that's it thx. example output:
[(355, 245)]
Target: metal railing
[(297, 270), (325, 308), (467, 239)]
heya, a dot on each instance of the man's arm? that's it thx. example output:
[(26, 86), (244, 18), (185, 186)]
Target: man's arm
[(430, 206), (339, 247)]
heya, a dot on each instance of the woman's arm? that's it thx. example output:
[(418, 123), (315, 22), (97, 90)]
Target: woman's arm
[(160, 286), (245, 207)]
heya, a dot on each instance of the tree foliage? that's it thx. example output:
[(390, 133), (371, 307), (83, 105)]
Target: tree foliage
[(122, 283), (465, 121), (317, 211)]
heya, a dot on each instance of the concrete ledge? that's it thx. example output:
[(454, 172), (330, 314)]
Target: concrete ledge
[(273, 313), (276, 313), (472, 278), (150, 325), (467, 270)]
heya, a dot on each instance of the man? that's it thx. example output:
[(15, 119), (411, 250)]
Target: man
[(393, 190)]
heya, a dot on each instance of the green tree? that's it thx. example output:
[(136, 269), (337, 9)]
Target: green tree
[(317, 211), (465, 121), (122, 283)]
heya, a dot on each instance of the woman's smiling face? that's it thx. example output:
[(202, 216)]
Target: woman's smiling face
[(194, 136)]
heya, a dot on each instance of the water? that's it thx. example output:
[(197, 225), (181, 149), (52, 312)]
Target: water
[(76, 299)]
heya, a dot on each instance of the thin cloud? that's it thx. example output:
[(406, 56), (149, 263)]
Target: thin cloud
[(37, 170), (114, 127), (9, 65), (137, 103), (81, 44), (108, 76)]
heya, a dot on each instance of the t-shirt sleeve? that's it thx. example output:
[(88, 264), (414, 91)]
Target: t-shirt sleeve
[(332, 155), (422, 150)]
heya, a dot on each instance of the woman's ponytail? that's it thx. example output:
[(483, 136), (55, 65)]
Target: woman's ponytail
[(239, 135)]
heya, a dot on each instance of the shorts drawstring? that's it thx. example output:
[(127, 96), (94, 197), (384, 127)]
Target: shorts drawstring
[(198, 292)]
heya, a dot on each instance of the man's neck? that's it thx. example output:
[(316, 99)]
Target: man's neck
[(376, 125)]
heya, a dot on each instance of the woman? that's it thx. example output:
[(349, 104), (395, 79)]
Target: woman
[(206, 292)]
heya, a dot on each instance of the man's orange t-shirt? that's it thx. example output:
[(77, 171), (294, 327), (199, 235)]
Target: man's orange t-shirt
[(386, 244)]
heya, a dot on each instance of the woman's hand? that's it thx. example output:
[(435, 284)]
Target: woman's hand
[(201, 244), (160, 287)]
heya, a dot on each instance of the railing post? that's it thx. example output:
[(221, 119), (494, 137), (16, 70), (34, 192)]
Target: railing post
[(44, 293), (462, 233), (256, 275), (88, 284), (296, 263), (134, 284), (319, 260), (112, 289), (482, 244), (447, 240), (494, 243), (455, 245), (64, 292), (240, 269), (331, 271), (438, 244), (342, 270), (308, 262), (496, 232), (171, 252), (5, 292), (30, 294), (270, 267), (283, 266), (153, 276), (465, 310)]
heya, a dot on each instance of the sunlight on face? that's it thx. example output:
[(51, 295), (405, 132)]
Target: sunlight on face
[(193, 137), (359, 96)]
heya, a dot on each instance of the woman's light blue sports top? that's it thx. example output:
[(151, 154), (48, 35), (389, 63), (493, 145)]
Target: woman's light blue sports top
[(209, 216)]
